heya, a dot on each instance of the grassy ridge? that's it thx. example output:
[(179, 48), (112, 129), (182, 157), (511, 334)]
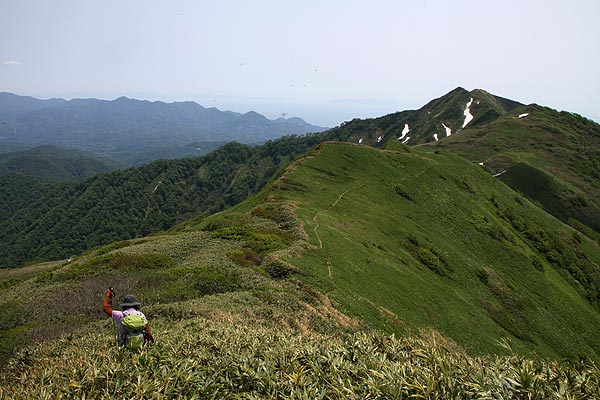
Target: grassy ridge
[(413, 240)]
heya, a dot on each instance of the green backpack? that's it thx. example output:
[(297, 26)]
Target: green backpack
[(134, 329)]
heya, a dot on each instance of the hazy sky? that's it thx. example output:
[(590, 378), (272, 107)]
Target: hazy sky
[(325, 61)]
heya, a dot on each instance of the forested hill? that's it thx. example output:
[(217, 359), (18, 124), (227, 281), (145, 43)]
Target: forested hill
[(50, 220), (53, 162), (13, 106)]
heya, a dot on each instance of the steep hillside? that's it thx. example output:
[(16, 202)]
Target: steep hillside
[(115, 128), (409, 240), (551, 157), (53, 162)]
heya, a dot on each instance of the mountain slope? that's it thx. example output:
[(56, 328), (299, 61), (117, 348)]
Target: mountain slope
[(13, 106), (437, 119), (124, 125), (408, 240), (53, 162), (551, 157)]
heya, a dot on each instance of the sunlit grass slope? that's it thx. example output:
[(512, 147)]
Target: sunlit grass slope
[(408, 240), (551, 157)]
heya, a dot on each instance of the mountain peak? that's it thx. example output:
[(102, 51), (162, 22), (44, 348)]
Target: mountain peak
[(440, 118)]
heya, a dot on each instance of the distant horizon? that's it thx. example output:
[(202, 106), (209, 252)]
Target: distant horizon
[(325, 62), (313, 113)]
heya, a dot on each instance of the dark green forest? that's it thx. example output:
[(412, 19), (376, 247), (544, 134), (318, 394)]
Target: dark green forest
[(53, 162), (43, 219)]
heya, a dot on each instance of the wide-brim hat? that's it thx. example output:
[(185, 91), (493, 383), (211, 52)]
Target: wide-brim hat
[(130, 301)]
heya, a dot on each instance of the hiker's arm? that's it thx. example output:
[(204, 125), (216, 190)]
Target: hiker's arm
[(107, 308), (148, 335)]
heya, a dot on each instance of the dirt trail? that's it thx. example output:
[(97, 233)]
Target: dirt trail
[(330, 207)]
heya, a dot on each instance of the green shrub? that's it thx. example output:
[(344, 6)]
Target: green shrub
[(277, 268), (175, 291), (209, 280), (403, 192), (268, 210), (431, 260), (538, 264), (10, 283), (12, 314), (265, 242), (412, 239), (483, 275), (109, 247), (141, 261), (44, 276), (231, 233), (75, 270), (258, 242), (246, 257), (10, 341)]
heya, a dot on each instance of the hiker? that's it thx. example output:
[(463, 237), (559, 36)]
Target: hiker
[(134, 330)]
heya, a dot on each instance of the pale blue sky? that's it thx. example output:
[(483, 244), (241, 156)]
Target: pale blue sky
[(325, 61)]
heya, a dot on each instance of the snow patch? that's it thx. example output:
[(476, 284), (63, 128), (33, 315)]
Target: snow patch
[(360, 140), (404, 131), (406, 140), (498, 174), (467, 113), (523, 115), (435, 136), (448, 130), (379, 138)]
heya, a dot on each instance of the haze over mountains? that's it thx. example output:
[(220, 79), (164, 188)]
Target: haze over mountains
[(124, 129)]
